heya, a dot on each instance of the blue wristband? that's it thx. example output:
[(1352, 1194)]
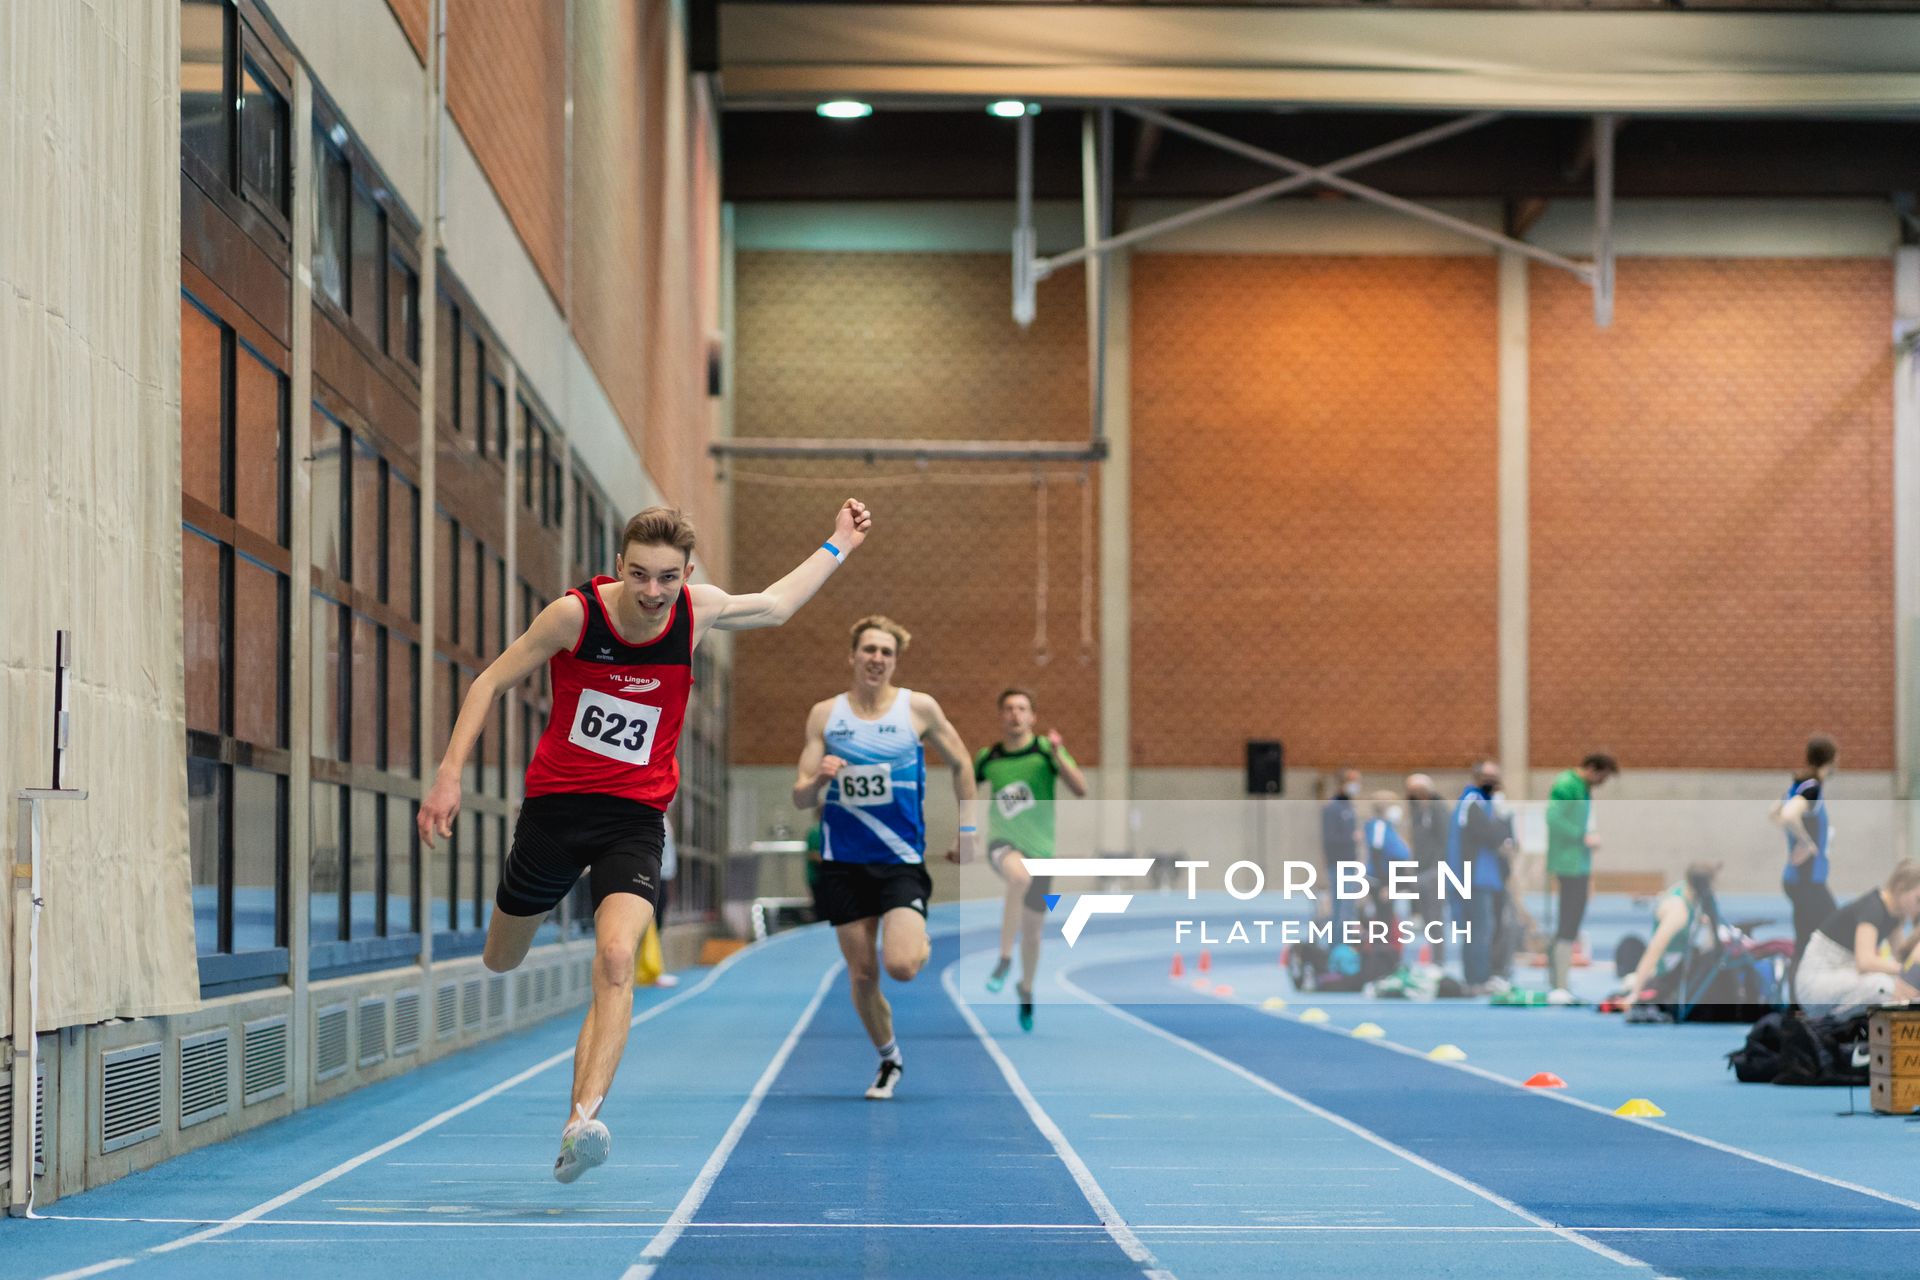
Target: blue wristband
[(969, 831), (837, 554)]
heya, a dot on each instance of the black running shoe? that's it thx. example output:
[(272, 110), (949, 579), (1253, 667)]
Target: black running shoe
[(883, 1082)]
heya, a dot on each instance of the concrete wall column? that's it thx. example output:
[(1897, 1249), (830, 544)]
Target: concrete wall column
[(1513, 523)]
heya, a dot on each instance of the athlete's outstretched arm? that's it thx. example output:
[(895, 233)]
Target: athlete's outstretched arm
[(713, 607), (946, 740), (557, 628), (817, 768)]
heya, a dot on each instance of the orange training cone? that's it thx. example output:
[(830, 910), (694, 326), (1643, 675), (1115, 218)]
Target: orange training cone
[(1206, 962), (1545, 1080), (1179, 968)]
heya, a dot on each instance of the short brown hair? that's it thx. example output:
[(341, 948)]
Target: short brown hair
[(1601, 762), (1015, 692), (660, 527), (1904, 876), (1821, 751), (879, 622)]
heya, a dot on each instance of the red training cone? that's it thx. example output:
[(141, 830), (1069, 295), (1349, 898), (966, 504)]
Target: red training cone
[(1426, 953), (1179, 969), (1206, 962), (1545, 1080)]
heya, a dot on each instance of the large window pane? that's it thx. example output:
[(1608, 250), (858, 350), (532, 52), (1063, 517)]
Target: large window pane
[(497, 604), (403, 545), (202, 440), (446, 541), (369, 523), (366, 848), (329, 496), (460, 871), (446, 341), (473, 610), (259, 819), (324, 877), (206, 834), (403, 311), (486, 869), (332, 201), (326, 679), (403, 839), (203, 83), (366, 699), (369, 289), (259, 446), (473, 371), (263, 137), (403, 676), (200, 608), (259, 652)]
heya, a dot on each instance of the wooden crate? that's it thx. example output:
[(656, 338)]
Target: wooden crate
[(1900, 1064), (1894, 1028), (1893, 1095)]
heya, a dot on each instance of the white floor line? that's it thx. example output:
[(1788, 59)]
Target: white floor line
[(1096, 1196), (656, 1249), (1139, 1228), (374, 1153), (1360, 1131), (94, 1270), (1556, 1095)]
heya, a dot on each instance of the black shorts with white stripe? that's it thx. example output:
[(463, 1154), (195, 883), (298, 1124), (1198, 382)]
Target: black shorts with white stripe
[(616, 840)]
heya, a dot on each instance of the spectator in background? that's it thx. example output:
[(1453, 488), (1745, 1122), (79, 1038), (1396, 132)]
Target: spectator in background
[(1802, 813), (1426, 831), (1570, 846), (1842, 964), (1339, 834), (1382, 845), (1480, 843)]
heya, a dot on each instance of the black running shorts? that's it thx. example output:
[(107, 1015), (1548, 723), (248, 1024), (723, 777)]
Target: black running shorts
[(850, 891), (616, 840)]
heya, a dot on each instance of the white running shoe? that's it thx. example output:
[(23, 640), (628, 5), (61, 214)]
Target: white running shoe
[(585, 1144), (882, 1086), (1560, 995)]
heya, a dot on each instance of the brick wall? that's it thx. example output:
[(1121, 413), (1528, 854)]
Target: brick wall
[(910, 345), (1712, 535), (1314, 508), (1315, 504), (506, 89)]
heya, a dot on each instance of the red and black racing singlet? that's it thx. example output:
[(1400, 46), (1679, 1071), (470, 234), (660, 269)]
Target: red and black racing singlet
[(617, 709)]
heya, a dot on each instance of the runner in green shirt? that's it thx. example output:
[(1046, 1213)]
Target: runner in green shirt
[(1019, 773), (1570, 846)]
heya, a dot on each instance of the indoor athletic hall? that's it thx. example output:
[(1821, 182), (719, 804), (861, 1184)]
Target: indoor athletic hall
[(1303, 616)]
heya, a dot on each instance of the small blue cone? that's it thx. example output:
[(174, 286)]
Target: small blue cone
[(1053, 900)]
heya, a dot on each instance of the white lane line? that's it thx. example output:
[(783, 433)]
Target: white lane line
[(1139, 1228), (486, 1095), (1555, 1095), (1090, 1187), (649, 1259), (94, 1270), (1359, 1131)]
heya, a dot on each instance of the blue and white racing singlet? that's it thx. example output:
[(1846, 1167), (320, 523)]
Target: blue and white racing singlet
[(874, 810)]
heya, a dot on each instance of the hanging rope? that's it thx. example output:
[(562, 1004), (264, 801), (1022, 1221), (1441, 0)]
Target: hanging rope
[(1086, 567), (1040, 655)]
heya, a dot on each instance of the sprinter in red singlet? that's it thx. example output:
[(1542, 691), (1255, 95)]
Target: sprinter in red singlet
[(621, 656)]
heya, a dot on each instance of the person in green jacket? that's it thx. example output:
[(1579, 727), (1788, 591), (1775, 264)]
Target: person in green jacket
[(1019, 772), (1570, 846)]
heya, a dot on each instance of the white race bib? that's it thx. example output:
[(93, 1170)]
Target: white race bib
[(1014, 799), (865, 785), (614, 727)]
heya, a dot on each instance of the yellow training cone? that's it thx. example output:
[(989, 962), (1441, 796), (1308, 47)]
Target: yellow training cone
[(1448, 1053), (1314, 1015), (1637, 1107), (1274, 1003), (1368, 1031)]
